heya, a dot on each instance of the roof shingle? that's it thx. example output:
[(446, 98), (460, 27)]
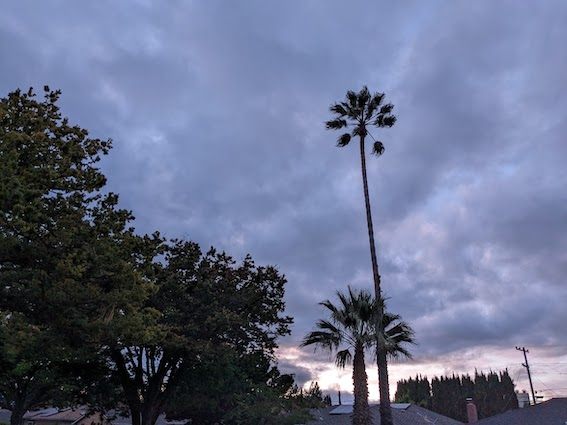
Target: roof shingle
[(551, 412)]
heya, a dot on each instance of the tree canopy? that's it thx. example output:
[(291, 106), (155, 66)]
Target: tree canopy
[(66, 254), (93, 312), (492, 393)]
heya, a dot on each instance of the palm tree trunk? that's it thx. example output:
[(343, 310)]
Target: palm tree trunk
[(381, 359), (361, 410)]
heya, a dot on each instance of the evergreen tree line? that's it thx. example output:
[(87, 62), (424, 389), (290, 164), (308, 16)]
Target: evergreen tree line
[(92, 312), (492, 393)]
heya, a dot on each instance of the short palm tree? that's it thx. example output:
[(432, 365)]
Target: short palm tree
[(356, 114), (351, 331)]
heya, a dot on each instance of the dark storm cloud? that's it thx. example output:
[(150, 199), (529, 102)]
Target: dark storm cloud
[(216, 109)]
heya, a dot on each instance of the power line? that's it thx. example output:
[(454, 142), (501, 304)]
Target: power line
[(545, 388)]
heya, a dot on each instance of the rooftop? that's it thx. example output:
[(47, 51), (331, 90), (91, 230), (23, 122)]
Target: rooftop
[(551, 412), (403, 414)]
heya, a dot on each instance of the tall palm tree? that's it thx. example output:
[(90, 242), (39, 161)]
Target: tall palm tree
[(357, 114), (350, 331)]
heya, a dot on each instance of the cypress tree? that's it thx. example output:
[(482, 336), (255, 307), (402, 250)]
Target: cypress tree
[(481, 393), (467, 391), (424, 393), (508, 392), (493, 393)]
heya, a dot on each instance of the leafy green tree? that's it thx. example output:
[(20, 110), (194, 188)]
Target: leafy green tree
[(67, 259), (351, 331), (280, 402), (205, 305), (74, 272), (35, 371), (224, 386), (357, 114), (48, 180), (26, 372), (66, 251)]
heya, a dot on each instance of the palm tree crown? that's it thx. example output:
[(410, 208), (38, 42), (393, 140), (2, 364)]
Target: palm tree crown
[(353, 323), (360, 111)]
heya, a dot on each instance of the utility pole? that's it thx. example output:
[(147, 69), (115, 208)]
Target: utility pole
[(527, 366)]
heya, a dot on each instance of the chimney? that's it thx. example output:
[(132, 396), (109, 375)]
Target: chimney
[(472, 414)]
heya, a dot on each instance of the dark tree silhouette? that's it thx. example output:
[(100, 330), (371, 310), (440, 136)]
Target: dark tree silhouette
[(357, 113), (493, 394), (350, 331)]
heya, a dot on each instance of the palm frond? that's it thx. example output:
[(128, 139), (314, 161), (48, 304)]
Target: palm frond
[(343, 140), (401, 328), (352, 99), (399, 352), (322, 339), (386, 109), (329, 305), (340, 108), (345, 300), (343, 358), (363, 97), (378, 148), (336, 124), (328, 326), (390, 318), (389, 120), (351, 113), (400, 333), (383, 120), (374, 103)]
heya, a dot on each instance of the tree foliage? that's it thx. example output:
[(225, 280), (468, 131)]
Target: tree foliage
[(129, 318), (208, 308), (67, 259), (492, 393)]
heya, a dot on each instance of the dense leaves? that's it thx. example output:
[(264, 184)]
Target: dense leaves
[(492, 393), (67, 259), (92, 312), (210, 312)]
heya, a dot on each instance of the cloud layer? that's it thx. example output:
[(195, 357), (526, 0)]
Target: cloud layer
[(216, 111)]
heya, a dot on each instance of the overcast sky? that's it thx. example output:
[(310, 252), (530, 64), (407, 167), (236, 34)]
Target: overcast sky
[(216, 109)]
